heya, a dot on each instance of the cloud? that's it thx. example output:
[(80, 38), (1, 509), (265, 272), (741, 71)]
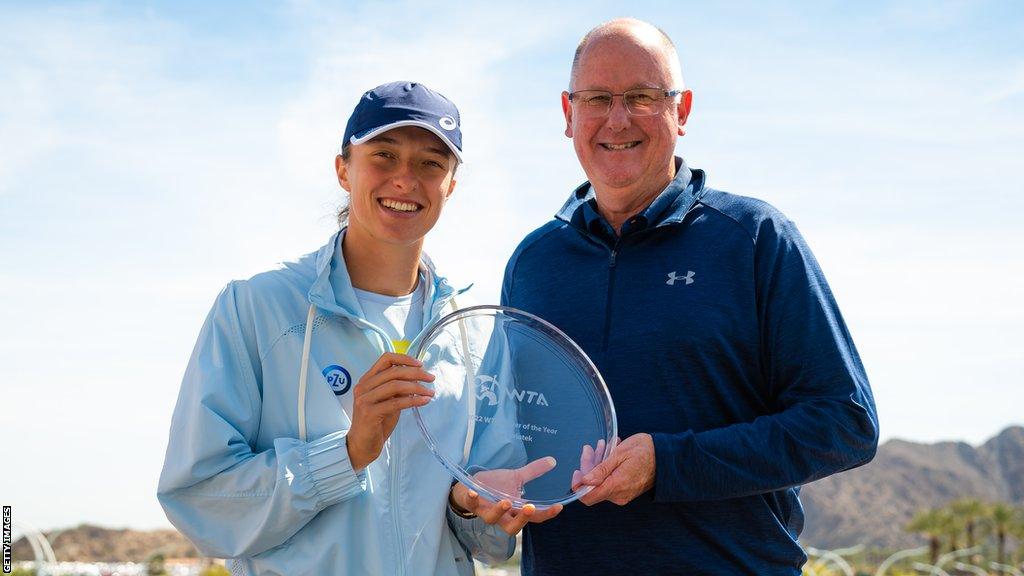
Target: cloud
[(483, 221), (149, 156), (1009, 88)]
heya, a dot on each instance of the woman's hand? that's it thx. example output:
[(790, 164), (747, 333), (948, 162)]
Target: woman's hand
[(501, 513), (391, 385)]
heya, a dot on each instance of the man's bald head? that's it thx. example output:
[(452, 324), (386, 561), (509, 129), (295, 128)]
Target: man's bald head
[(638, 31)]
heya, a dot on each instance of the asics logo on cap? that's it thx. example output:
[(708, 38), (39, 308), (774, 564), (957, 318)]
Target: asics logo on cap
[(447, 122)]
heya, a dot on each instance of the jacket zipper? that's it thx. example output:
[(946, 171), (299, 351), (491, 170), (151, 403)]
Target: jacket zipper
[(395, 492), (393, 445), (612, 256), (395, 449), (394, 452), (395, 472)]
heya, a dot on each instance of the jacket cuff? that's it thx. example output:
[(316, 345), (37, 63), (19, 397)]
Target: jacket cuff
[(484, 542), (331, 471)]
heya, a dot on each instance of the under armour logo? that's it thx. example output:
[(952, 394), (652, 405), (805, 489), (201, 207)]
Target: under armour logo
[(689, 278)]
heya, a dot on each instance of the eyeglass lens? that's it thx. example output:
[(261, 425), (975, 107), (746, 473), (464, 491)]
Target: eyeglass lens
[(639, 102)]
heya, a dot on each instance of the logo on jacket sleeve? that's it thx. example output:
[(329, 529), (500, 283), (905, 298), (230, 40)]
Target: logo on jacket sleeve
[(672, 277), (338, 379)]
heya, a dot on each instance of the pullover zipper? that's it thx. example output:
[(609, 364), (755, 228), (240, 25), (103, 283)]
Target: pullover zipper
[(611, 292)]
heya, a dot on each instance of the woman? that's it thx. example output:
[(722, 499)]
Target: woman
[(275, 458)]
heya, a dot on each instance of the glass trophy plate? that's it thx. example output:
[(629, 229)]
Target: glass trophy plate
[(519, 410)]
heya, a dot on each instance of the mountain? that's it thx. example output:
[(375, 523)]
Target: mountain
[(88, 543), (870, 505)]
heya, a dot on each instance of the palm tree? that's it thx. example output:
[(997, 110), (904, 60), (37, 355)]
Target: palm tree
[(1003, 518), (950, 527), (931, 523), (1016, 529), (968, 511)]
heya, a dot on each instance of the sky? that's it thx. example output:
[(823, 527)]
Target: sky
[(151, 152)]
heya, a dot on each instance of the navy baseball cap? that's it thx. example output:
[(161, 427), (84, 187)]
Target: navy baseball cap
[(399, 104)]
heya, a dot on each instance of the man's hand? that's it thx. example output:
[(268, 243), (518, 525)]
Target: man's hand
[(628, 473), (391, 385), (509, 481)]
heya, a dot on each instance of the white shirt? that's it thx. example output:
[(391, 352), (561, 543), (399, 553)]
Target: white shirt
[(400, 317)]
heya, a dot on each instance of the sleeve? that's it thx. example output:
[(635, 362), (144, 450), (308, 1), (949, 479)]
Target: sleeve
[(485, 542), (824, 419), (229, 500)]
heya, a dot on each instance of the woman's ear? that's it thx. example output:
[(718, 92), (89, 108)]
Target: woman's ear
[(341, 167)]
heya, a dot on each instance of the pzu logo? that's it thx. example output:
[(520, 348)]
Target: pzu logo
[(338, 378)]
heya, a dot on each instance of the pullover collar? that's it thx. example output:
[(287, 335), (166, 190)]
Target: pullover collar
[(669, 207)]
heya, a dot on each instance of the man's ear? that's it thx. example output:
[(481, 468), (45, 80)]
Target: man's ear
[(567, 111), (341, 167), (683, 110)]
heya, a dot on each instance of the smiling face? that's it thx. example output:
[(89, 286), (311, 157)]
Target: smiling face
[(628, 159), (398, 183)]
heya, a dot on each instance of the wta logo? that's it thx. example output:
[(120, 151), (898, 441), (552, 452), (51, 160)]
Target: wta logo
[(338, 379), (487, 388)]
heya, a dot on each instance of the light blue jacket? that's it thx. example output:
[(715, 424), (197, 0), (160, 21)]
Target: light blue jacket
[(240, 484)]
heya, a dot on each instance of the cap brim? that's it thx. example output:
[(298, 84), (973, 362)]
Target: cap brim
[(426, 126)]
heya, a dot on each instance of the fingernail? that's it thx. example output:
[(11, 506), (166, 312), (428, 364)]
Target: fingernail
[(588, 478), (552, 462), (473, 494)]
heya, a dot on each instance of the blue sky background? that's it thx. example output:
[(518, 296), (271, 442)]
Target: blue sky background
[(151, 152)]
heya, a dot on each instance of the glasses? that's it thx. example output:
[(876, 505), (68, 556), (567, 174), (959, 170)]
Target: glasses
[(639, 101)]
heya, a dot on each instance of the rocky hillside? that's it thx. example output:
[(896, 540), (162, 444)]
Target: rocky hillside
[(87, 543), (871, 504)]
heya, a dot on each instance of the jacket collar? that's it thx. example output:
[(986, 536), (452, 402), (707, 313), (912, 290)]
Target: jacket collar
[(332, 289), (669, 207)]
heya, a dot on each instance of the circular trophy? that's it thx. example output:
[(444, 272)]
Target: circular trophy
[(519, 411)]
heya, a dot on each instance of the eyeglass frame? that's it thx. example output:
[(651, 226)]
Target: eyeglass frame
[(665, 94)]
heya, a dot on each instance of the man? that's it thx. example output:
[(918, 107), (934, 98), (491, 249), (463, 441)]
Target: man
[(734, 377)]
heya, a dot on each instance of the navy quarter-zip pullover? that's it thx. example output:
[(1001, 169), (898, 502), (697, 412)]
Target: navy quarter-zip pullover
[(716, 333)]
